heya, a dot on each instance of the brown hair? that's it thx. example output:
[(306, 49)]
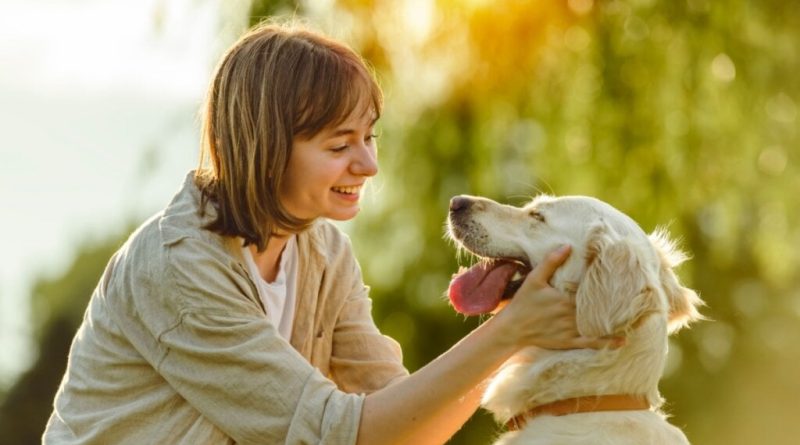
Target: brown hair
[(277, 82)]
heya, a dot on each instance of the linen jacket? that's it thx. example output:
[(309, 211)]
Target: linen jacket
[(175, 347)]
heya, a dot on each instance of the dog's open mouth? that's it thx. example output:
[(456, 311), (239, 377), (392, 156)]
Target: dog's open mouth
[(481, 288)]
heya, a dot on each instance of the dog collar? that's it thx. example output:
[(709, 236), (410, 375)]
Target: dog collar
[(575, 405)]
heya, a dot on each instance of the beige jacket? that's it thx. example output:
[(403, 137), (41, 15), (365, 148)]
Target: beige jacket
[(175, 347)]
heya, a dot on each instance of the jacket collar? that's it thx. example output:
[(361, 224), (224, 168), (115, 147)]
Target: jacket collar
[(182, 218)]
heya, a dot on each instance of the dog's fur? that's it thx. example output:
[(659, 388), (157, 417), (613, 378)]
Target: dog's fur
[(623, 284)]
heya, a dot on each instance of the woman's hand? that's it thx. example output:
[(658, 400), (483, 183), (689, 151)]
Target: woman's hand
[(540, 315)]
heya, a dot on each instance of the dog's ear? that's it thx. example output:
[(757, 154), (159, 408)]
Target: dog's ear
[(683, 302), (614, 292)]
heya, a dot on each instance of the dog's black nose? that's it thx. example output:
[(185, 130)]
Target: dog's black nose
[(459, 203)]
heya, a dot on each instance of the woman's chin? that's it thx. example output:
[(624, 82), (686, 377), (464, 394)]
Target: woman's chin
[(343, 214)]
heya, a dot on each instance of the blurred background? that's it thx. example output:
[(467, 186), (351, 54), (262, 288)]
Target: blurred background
[(681, 113)]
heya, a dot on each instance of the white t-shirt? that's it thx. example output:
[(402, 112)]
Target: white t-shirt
[(278, 296)]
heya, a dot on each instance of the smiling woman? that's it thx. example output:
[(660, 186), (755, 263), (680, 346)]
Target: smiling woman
[(238, 313)]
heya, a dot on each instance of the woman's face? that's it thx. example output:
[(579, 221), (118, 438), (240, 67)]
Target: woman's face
[(326, 172)]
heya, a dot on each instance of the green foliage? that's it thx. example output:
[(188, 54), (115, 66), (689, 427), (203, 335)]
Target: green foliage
[(58, 307), (263, 9)]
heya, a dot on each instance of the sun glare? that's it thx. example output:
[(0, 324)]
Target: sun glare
[(418, 16)]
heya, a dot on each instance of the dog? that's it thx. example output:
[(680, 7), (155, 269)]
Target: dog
[(623, 284)]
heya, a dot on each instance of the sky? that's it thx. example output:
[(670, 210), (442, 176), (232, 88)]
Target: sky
[(98, 115)]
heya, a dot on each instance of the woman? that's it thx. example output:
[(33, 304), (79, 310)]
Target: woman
[(238, 313)]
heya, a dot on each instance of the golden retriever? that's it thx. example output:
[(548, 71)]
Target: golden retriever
[(623, 284)]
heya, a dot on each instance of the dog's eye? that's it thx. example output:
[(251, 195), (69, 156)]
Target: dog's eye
[(537, 215)]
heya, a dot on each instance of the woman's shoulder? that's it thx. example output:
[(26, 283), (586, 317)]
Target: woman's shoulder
[(187, 215), (177, 235), (187, 269)]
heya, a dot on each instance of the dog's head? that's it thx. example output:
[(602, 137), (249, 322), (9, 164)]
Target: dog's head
[(618, 274)]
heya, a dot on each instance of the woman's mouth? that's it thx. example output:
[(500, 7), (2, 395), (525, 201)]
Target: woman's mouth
[(349, 193), (347, 190)]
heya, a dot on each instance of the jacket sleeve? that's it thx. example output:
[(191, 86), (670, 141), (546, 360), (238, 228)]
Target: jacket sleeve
[(232, 366), (362, 360)]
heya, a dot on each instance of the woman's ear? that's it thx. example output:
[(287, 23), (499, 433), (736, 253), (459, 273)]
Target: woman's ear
[(614, 292), (683, 302)]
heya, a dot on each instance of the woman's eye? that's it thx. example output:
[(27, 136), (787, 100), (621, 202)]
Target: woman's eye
[(339, 148), (538, 216), (371, 137)]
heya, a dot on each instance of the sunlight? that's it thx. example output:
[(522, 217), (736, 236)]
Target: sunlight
[(418, 15), (723, 69), (581, 6)]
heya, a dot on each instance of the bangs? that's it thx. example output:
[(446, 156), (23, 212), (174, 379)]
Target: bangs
[(333, 87)]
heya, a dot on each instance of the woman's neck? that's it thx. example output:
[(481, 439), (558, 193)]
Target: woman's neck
[(268, 262)]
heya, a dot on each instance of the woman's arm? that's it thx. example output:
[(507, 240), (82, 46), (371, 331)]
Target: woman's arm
[(429, 406)]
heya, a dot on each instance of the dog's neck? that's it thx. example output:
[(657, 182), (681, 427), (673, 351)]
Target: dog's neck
[(536, 377), (577, 405)]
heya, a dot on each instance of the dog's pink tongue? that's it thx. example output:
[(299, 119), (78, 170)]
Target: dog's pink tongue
[(479, 289)]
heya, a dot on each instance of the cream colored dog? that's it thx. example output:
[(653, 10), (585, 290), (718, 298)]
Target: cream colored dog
[(623, 284)]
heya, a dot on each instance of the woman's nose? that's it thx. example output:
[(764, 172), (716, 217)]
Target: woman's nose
[(366, 162)]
